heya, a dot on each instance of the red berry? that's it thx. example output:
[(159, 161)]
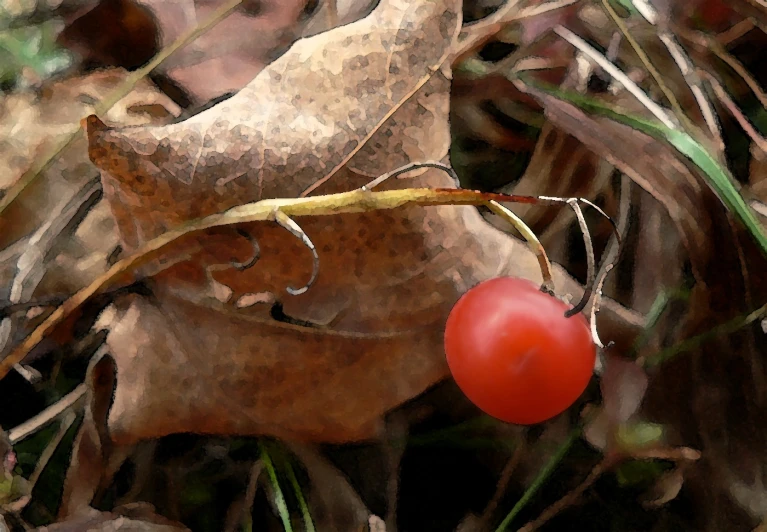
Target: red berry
[(513, 352)]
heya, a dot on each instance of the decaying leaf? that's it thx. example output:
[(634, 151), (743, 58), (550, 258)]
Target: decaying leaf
[(133, 518), (387, 278), (334, 111)]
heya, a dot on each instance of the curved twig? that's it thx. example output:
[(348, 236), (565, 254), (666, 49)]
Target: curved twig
[(409, 167), (596, 304), (287, 222), (242, 266), (532, 241), (590, 261)]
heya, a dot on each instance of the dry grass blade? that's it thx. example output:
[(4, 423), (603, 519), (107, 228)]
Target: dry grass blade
[(589, 51), (732, 62), (590, 259), (683, 62), (31, 265), (735, 111), (34, 424), (64, 425)]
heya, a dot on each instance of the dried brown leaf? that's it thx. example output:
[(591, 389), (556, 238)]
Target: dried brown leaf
[(186, 362), (623, 384)]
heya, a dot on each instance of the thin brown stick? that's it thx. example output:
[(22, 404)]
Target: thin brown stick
[(475, 35), (737, 31), (612, 253), (713, 45), (503, 483), (33, 424), (355, 201), (66, 423), (590, 260), (250, 491), (735, 111), (571, 498)]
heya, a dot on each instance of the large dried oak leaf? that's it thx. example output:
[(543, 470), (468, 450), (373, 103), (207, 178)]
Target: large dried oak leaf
[(336, 109)]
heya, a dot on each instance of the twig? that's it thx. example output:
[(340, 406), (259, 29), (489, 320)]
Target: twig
[(409, 168), (592, 53), (250, 491), (675, 454), (735, 111), (125, 87), (612, 253), (66, 423), (737, 31), (722, 54), (355, 201), (569, 499), (503, 483), (287, 223), (590, 260), (532, 241), (540, 479), (33, 424)]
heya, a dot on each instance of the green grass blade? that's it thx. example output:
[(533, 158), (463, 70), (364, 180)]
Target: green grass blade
[(305, 513), (716, 175), (540, 479), (279, 498)]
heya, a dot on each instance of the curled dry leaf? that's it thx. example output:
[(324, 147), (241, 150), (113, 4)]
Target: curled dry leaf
[(335, 110), (123, 519)]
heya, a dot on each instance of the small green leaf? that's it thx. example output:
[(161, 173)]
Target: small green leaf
[(279, 498), (639, 435), (306, 514)]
